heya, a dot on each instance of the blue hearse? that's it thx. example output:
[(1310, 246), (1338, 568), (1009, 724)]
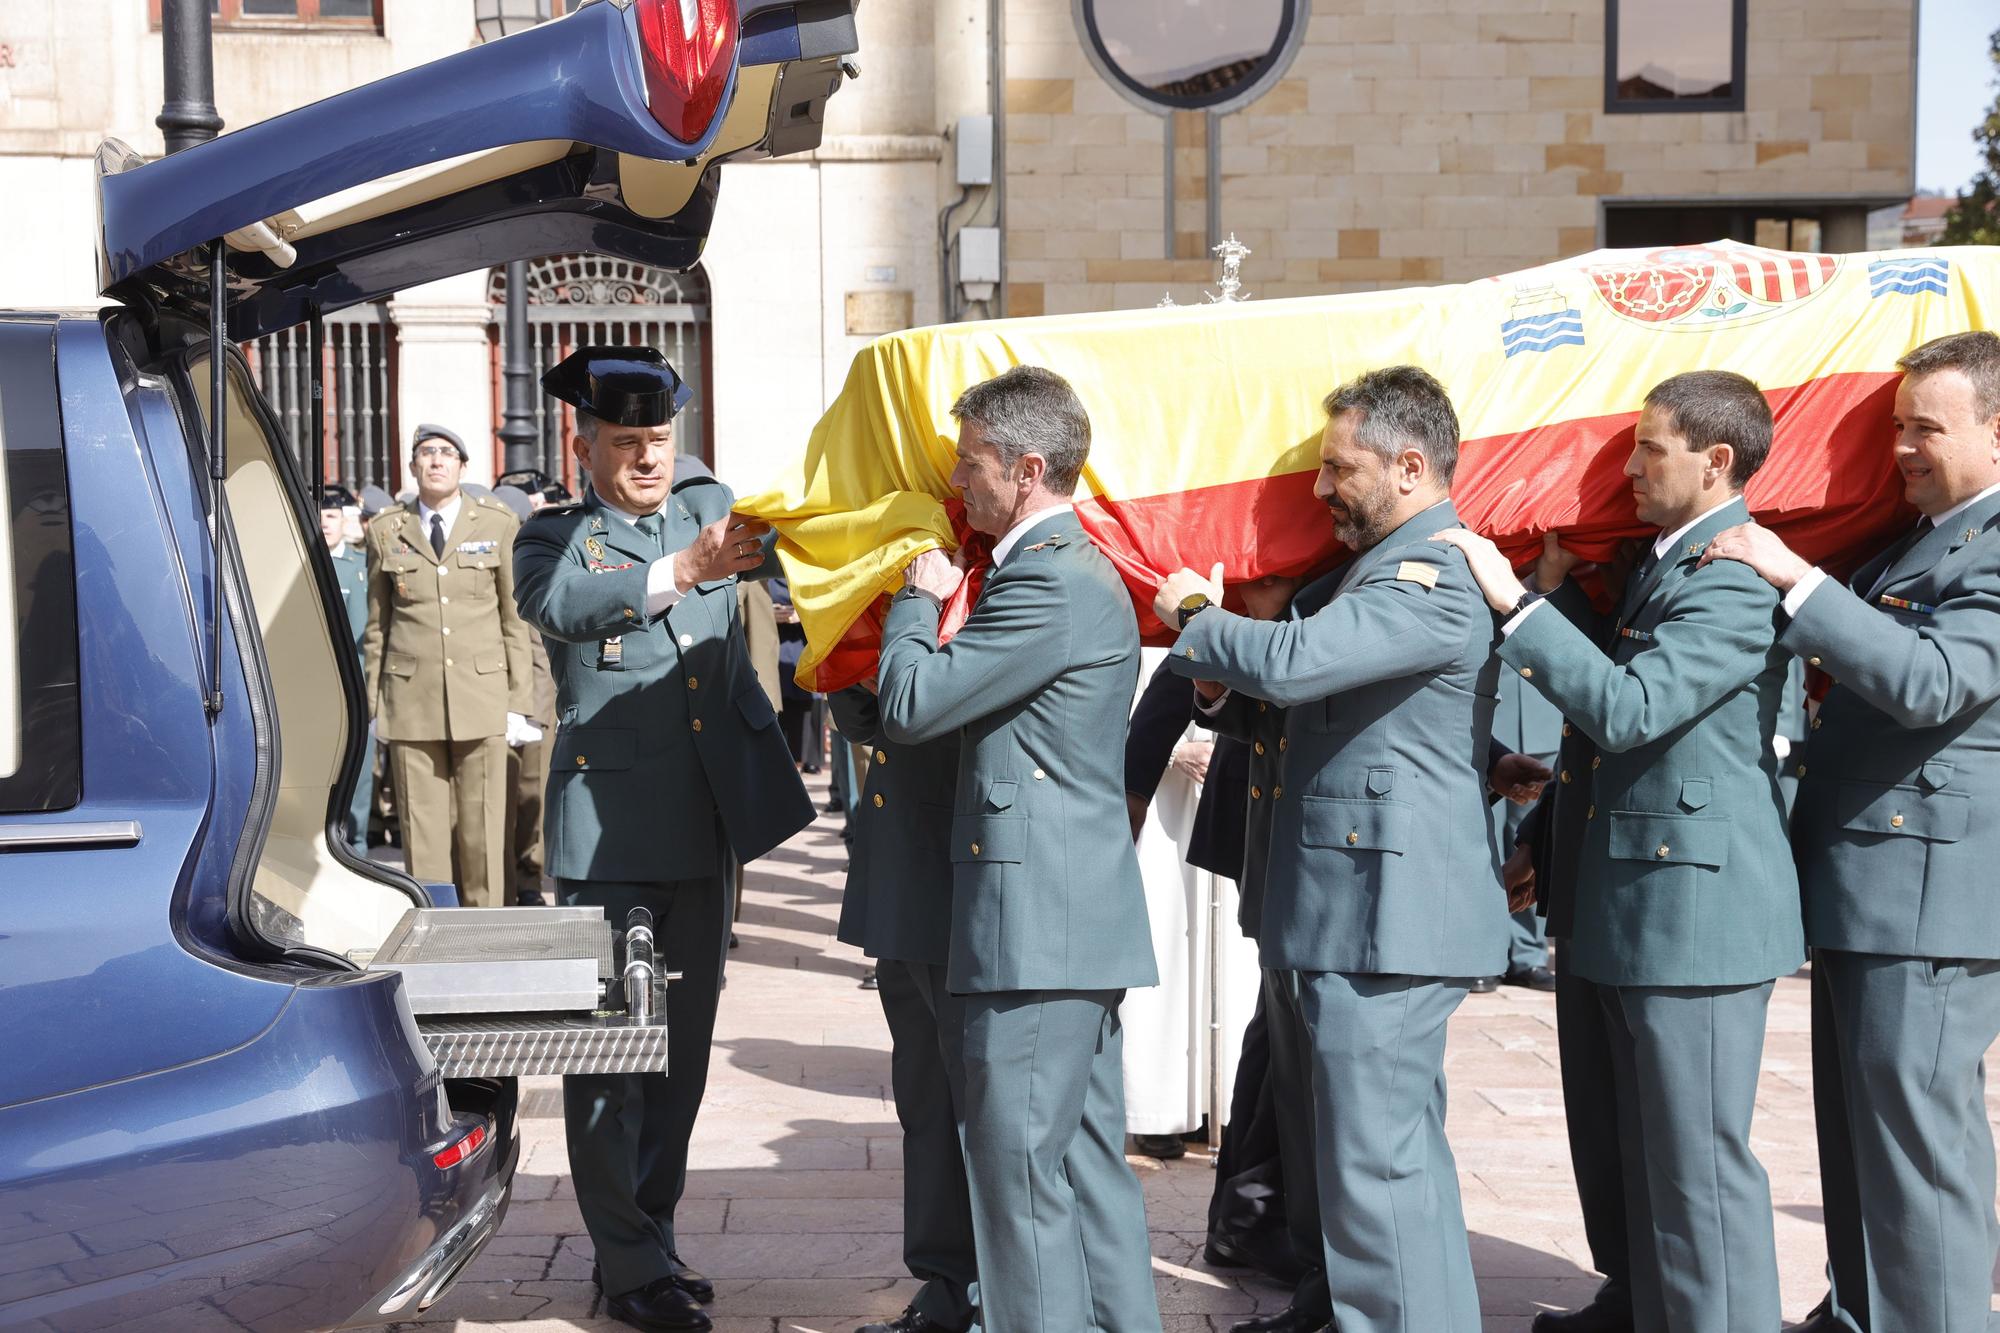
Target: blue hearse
[(247, 1081)]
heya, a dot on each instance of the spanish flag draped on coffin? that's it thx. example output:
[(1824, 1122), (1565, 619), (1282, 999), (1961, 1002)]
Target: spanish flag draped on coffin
[(1206, 420)]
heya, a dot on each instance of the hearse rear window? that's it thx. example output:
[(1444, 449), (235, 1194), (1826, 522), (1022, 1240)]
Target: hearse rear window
[(41, 739)]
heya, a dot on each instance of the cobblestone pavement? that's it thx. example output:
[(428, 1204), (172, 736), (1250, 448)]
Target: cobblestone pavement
[(793, 1204)]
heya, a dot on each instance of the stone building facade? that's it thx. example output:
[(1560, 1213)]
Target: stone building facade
[(1374, 143)]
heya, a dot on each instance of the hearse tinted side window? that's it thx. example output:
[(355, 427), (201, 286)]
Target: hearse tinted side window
[(41, 738)]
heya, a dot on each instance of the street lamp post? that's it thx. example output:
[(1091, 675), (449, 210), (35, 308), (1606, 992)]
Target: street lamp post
[(187, 114), (518, 436)]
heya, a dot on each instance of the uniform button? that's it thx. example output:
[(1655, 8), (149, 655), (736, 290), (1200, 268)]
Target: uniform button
[(879, 801), (1565, 775), (1039, 775), (1527, 673), (1353, 837), (1276, 792), (1596, 759), (1262, 706), (1283, 744), (687, 640), (1895, 821), (444, 601), (447, 661), (1567, 728), (1259, 747), (628, 613), (1661, 851), (1188, 653), (1816, 721), (443, 570), (447, 629), (881, 756), (1812, 661), (694, 682), (975, 849), (695, 725), (581, 761), (1590, 813), (1256, 793), (1800, 770)]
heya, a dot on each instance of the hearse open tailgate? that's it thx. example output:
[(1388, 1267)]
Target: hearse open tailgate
[(505, 991)]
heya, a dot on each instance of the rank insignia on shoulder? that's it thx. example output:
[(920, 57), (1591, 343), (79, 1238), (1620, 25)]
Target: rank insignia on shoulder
[(593, 548), (1416, 571), (1051, 543), (478, 548), (1915, 608), (1696, 548), (1636, 635)]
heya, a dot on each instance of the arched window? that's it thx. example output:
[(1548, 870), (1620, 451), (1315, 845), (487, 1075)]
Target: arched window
[(1191, 55), (579, 300)]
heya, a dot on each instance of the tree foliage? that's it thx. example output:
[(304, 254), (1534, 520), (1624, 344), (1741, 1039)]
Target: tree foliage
[(1975, 219)]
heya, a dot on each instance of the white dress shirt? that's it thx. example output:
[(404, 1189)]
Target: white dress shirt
[(1809, 581)]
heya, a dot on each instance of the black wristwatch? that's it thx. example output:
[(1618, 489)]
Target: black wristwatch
[(1193, 605), (1528, 598)]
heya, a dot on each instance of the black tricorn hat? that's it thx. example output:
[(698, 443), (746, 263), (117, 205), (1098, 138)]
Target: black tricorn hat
[(626, 386), (333, 495)]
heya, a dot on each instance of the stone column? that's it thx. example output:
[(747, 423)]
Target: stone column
[(445, 366)]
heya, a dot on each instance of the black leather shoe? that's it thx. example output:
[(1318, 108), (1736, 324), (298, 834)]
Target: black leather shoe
[(1821, 1319), (659, 1307), (1288, 1320), (1597, 1317), (871, 980), (1484, 985), (911, 1320), (1268, 1251), (1166, 1147), (1534, 978), (689, 1281)]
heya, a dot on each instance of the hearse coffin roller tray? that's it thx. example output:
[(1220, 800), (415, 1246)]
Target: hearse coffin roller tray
[(500, 992)]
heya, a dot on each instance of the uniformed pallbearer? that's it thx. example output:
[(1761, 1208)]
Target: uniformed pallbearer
[(1686, 903), (666, 763), (1378, 898), (1896, 844), (447, 664), (897, 910), (1048, 923)]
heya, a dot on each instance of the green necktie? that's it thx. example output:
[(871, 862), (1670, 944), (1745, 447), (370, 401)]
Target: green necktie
[(653, 525)]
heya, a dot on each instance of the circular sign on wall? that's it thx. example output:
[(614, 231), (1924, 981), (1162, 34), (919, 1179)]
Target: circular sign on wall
[(1191, 55)]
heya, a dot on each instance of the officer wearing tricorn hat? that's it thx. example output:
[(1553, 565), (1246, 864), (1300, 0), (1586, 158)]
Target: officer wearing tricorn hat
[(667, 766)]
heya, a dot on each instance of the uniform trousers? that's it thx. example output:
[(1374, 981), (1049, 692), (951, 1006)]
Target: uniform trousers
[(1905, 1149), (453, 800), (528, 779), (1397, 1257), (927, 1075), (628, 1133), (1685, 1061), (1291, 1093), (1058, 1218), (1590, 1111), (363, 803)]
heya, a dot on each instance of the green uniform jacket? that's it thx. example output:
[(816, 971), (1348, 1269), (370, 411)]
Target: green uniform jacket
[(1894, 825), (350, 571), (1378, 856), (445, 653), (898, 898), (1045, 885), (1683, 876), (662, 731)]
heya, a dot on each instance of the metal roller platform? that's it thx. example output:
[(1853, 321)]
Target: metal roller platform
[(512, 1045)]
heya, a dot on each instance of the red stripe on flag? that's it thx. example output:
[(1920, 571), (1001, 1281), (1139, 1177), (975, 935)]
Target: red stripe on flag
[(1829, 487), (1772, 290)]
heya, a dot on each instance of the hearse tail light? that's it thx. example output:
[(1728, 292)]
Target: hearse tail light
[(687, 48), (474, 1140)]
